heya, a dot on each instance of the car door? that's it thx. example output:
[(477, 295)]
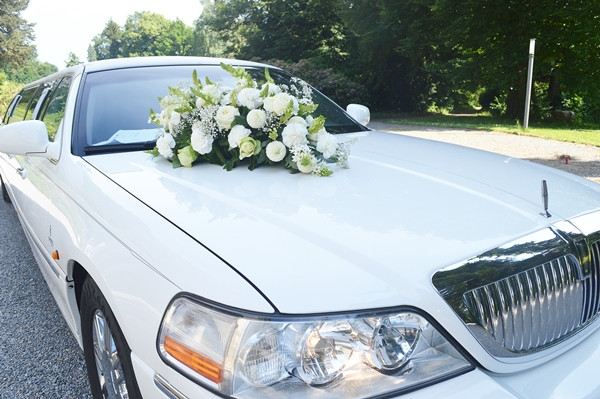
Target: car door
[(40, 170), (17, 168)]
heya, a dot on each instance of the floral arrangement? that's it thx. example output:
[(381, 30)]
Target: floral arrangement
[(266, 124)]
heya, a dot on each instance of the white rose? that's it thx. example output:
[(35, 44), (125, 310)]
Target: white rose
[(212, 91), (225, 116), (294, 135), (201, 142), (249, 98), (281, 101), (297, 119), (276, 151), (237, 133), (165, 143), (256, 118), (327, 144)]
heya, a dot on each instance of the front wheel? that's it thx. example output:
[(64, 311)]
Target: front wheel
[(107, 355)]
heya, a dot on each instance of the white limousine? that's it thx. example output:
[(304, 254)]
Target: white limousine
[(217, 228)]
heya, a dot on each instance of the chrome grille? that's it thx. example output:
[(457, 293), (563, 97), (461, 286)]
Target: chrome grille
[(534, 308), (592, 286), (531, 293)]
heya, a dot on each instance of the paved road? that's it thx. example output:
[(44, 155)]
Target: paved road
[(39, 357)]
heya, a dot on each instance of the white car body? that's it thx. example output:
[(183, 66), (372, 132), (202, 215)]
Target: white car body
[(267, 242)]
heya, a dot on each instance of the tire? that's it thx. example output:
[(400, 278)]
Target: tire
[(5, 196), (107, 355)]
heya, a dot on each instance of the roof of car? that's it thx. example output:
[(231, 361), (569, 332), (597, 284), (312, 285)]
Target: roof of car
[(117, 63), (134, 62)]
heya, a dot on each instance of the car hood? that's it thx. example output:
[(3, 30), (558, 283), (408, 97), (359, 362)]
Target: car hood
[(366, 237)]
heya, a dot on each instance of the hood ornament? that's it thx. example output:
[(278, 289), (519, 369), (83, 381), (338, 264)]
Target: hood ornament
[(545, 214)]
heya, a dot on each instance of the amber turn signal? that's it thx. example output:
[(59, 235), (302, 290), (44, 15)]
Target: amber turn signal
[(200, 364)]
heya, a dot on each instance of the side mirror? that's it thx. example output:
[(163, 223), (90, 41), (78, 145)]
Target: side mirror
[(24, 138), (359, 113)]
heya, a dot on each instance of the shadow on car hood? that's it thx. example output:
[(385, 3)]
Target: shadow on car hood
[(365, 237)]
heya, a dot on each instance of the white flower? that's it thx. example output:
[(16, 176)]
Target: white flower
[(174, 120), (297, 119), (268, 103), (256, 118), (280, 103), (238, 132), (315, 136), (165, 143), (249, 98), (273, 88), (201, 142), (225, 116), (327, 144), (306, 163), (294, 135), (168, 105), (276, 151), (213, 92)]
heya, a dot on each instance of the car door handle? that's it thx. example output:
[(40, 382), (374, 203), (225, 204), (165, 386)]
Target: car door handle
[(22, 172)]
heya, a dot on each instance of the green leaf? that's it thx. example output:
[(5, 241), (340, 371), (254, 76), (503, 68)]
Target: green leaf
[(264, 92), (318, 124), (289, 112), (197, 81), (307, 109), (175, 162), (268, 76), (154, 152)]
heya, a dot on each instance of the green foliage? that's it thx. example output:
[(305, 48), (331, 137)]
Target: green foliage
[(108, 43), (290, 30), (8, 90), (144, 34), (31, 71), (583, 135), (16, 34), (73, 60), (334, 84)]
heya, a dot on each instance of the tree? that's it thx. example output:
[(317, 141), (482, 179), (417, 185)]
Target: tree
[(108, 43), (144, 34), (16, 34), (396, 48), (73, 60), (289, 30), (491, 40), (32, 70), (147, 33)]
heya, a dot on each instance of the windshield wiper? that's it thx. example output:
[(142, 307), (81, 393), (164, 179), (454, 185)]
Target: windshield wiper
[(119, 147)]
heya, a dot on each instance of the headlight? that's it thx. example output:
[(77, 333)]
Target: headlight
[(342, 355)]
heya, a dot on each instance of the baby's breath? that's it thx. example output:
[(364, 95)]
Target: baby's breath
[(208, 124)]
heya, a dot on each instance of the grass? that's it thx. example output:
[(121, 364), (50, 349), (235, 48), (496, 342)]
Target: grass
[(550, 130)]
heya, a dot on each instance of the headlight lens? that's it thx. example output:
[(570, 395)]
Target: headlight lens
[(345, 356)]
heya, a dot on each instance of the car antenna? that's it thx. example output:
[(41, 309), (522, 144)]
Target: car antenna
[(545, 214)]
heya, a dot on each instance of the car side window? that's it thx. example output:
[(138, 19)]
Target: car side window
[(20, 110), (54, 111)]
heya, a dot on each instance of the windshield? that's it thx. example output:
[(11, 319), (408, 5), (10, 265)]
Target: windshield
[(115, 105)]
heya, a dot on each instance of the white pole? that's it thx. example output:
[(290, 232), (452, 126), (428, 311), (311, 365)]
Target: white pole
[(529, 79)]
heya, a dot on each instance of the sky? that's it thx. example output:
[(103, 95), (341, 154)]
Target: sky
[(65, 26)]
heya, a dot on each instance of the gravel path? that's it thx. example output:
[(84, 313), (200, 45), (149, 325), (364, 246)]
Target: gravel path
[(39, 357), (583, 160)]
